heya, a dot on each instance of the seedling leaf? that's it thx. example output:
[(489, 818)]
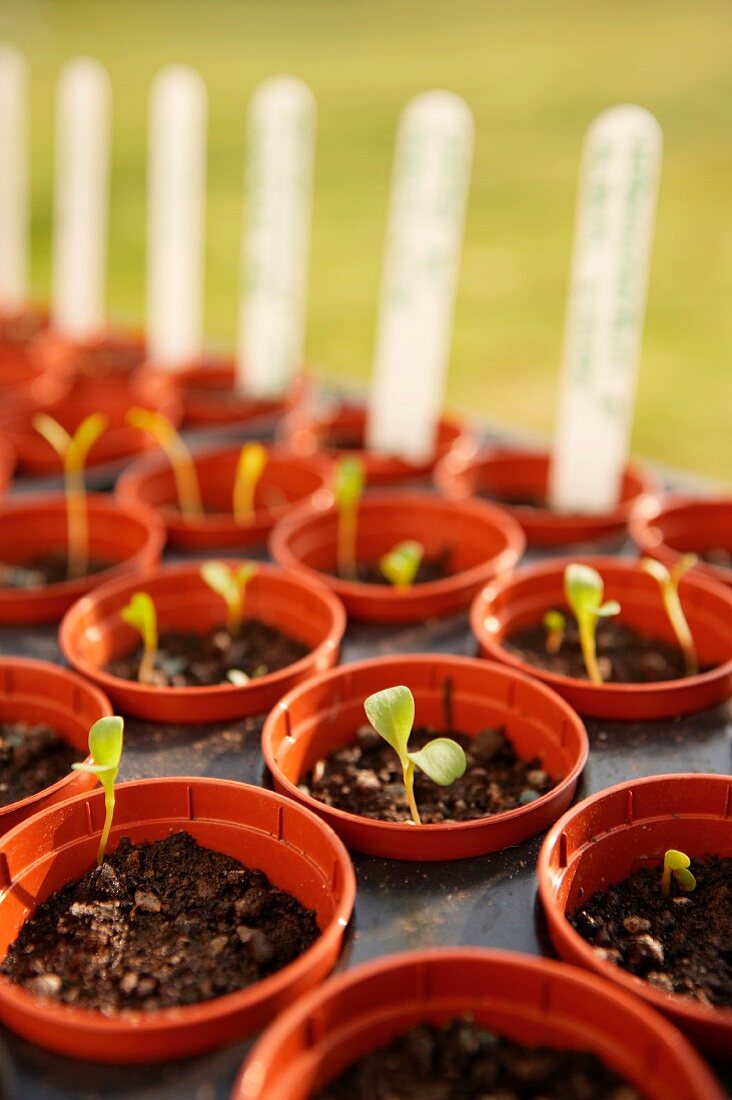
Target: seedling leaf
[(106, 739), (401, 564), (184, 469), (140, 614), (554, 624), (676, 861), (231, 585), (677, 864), (391, 713), (54, 433), (584, 589), (442, 760)]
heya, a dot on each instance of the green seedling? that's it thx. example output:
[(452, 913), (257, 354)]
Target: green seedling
[(677, 864), (391, 713), (554, 624), (73, 451), (401, 564), (584, 589), (231, 585), (184, 470), (249, 469), (105, 748), (140, 613), (668, 582), (348, 484)]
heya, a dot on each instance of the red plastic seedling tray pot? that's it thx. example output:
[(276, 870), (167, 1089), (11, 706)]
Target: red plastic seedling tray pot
[(483, 541), (18, 328), (92, 633), (129, 535), (285, 482), (291, 846), (343, 432), (7, 465), (614, 833), (325, 713), (210, 398), (527, 999), (111, 354), (676, 526), (37, 691), (514, 473), (522, 599)]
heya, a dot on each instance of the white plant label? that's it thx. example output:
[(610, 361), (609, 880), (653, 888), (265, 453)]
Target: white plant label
[(176, 216), (276, 242), (81, 200), (13, 179), (619, 176), (429, 191)]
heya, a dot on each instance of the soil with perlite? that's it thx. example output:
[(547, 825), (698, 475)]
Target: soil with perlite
[(365, 778), (623, 655), (159, 925), (461, 1061), (42, 569), (186, 659), (32, 757), (679, 944)]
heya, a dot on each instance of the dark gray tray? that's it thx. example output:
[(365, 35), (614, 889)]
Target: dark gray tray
[(489, 901)]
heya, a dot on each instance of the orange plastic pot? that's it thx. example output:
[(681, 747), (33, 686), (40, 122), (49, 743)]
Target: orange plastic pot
[(210, 398), (668, 529), (286, 481), (323, 715), (513, 473), (342, 430), (522, 600), (611, 835), (110, 355), (7, 464), (130, 535), (291, 846), (111, 396), (483, 541), (92, 633), (529, 1000), (37, 691), (18, 328)]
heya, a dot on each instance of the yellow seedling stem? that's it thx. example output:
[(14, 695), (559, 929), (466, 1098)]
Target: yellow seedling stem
[(250, 467), (183, 466), (589, 650), (408, 774), (347, 543), (73, 452), (668, 583)]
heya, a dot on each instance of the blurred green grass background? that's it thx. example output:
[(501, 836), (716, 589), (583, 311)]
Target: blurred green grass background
[(534, 73)]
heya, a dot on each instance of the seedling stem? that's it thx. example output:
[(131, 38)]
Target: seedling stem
[(347, 488), (250, 467), (105, 747), (584, 588), (184, 469), (668, 582), (140, 613)]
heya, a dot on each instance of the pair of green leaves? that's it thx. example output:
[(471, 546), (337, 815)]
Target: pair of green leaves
[(106, 739), (391, 713), (231, 585), (677, 864)]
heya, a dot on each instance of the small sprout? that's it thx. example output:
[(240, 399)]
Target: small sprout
[(105, 748), (249, 469), (73, 451), (668, 582), (140, 613), (554, 624), (584, 589), (391, 713), (347, 488), (401, 564), (677, 864), (231, 585), (184, 470)]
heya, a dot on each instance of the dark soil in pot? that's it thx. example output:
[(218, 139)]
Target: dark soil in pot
[(158, 925), (716, 556), (32, 757), (514, 500), (203, 660), (430, 569), (43, 569), (680, 944), (366, 779), (461, 1061), (624, 655)]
